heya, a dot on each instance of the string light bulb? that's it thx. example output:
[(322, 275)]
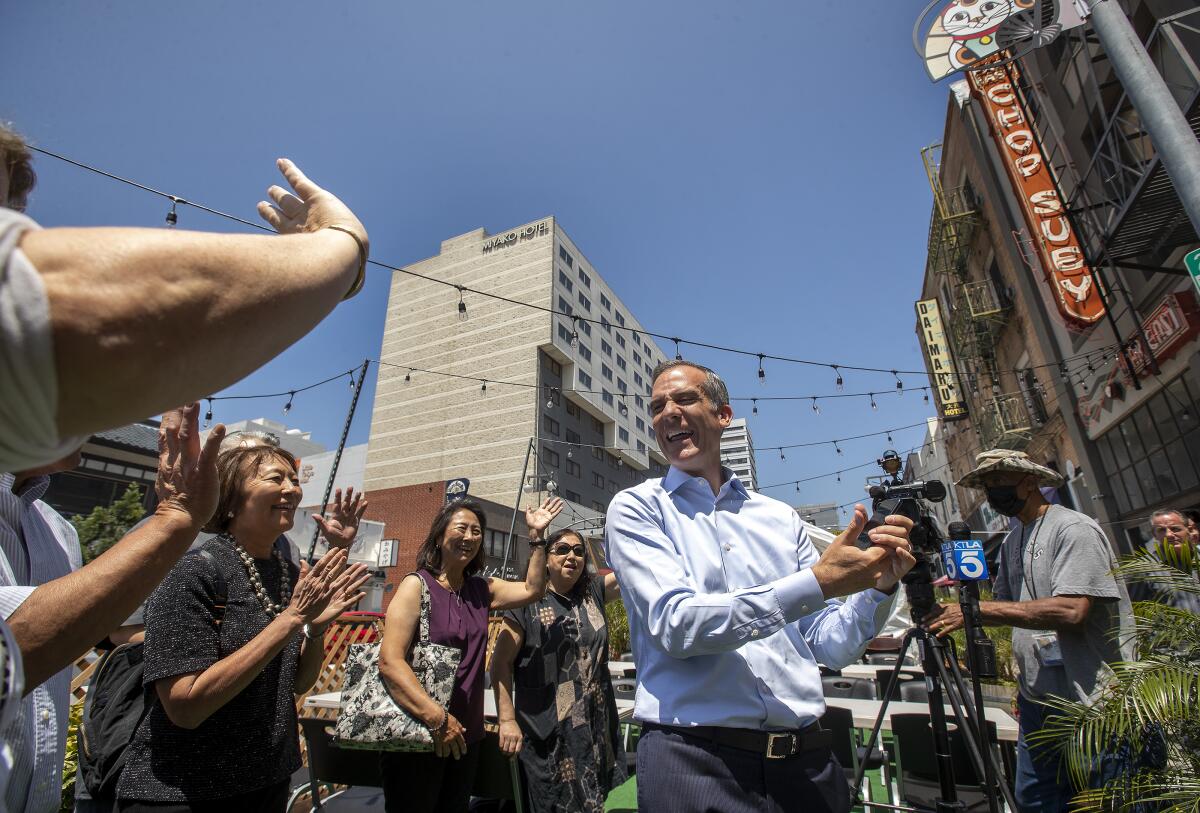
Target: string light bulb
[(889, 438), (570, 454), (782, 456), (575, 332), (754, 410), (549, 397), (288, 406), (208, 414), (762, 374), (840, 382), (815, 407), (408, 376), (172, 216), (839, 474), (899, 383), (927, 395), (797, 486), (678, 355), (483, 387), (836, 447), (874, 405), (352, 382), (462, 306)]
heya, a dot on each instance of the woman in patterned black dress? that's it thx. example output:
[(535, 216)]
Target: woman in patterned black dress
[(563, 726)]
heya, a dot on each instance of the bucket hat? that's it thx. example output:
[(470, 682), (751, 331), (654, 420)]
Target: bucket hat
[(998, 461)]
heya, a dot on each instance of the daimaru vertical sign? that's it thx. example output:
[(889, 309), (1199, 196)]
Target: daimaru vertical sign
[(940, 360)]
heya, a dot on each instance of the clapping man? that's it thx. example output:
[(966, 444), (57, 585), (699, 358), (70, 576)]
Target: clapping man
[(730, 610)]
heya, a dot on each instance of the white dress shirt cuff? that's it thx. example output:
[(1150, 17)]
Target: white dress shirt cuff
[(799, 595), (12, 597)]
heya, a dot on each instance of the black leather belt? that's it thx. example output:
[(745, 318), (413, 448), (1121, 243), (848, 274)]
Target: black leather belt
[(770, 744)]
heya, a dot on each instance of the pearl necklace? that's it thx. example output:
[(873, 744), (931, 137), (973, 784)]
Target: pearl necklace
[(285, 587)]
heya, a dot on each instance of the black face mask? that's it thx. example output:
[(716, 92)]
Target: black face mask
[(1004, 500)]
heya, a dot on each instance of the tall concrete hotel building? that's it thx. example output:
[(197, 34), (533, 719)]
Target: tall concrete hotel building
[(576, 372)]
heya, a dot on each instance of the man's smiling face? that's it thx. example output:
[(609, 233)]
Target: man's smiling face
[(687, 424)]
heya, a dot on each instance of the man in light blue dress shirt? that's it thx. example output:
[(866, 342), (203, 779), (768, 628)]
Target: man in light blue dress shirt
[(730, 610)]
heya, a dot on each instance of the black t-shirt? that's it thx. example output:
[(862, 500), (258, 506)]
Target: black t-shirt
[(249, 743), (561, 670)]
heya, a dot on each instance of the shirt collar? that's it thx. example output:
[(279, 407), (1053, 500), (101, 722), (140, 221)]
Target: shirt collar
[(675, 479), (33, 489)]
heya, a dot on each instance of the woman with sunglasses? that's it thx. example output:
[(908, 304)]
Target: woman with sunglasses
[(563, 726)]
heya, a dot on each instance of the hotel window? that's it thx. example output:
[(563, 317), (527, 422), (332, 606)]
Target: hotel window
[(620, 319), (585, 328), (637, 360), (574, 469), (572, 409), (565, 280), (612, 486), (554, 366), (584, 279), (549, 456), (550, 425), (597, 506), (606, 371), (604, 324), (620, 340), (583, 300), (565, 257), (553, 397), (564, 334), (597, 453), (641, 446), (649, 373), (597, 425), (585, 380), (624, 434), (621, 388), (608, 398), (612, 461), (604, 302), (565, 307), (573, 497), (637, 379), (606, 347), (572, 436), (597, 479), (638, 400), (641, 425), (584, 352), (621, 362)]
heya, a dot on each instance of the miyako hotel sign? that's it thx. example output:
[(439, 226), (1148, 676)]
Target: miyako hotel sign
[(1032, 178), (940, 360)]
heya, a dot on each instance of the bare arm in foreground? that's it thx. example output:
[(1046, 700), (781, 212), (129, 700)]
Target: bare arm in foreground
[(120, 297)]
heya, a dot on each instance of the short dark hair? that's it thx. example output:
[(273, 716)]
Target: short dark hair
[(18, 162), (713, 387), (234, 467), (585, 577), (429, 555)]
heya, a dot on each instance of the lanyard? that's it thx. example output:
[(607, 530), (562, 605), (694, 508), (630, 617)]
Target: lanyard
[(1027, 561)]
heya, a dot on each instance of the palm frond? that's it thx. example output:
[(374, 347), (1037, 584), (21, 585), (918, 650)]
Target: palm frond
[(1159, 627), (1176, 793), (1167, 568), (1157, 690)]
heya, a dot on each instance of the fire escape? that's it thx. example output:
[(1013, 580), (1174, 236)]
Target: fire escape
[(977, 313)]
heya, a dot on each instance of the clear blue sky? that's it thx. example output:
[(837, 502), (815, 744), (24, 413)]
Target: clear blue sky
[(746, 173)]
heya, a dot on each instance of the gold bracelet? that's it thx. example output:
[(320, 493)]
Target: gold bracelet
[(362, 261)]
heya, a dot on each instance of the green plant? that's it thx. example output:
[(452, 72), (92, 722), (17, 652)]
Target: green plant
[(71, 764), (618, 627), (105, 526), (1150, 706)]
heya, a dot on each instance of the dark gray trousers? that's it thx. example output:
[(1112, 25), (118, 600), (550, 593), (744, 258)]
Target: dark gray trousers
[(681, 774)]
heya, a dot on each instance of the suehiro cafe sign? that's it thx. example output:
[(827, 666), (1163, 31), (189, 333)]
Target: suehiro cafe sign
[(940, 360), (1033, 181)]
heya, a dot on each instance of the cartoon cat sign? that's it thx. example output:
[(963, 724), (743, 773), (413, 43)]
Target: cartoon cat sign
[(957, 35)]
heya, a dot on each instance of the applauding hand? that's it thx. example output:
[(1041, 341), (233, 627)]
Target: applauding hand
[(187, 481)]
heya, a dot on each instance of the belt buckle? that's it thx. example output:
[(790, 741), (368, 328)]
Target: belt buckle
[(788, 738)]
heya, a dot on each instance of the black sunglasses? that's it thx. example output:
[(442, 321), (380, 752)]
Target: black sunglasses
[(562, 549)]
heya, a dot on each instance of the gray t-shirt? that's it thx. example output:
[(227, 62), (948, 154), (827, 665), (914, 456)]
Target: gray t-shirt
[(1064, 553)]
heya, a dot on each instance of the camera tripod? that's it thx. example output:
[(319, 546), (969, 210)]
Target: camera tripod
[(968, 711)]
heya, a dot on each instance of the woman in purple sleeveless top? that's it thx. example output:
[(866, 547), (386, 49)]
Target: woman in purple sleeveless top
[(458, 616)]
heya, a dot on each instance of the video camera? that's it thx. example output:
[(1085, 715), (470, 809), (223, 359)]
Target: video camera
[(906, 499)]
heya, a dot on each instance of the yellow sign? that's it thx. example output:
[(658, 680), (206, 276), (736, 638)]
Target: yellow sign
[(940, 360)]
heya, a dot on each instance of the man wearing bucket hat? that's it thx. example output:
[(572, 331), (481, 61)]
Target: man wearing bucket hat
[(1054, 586)]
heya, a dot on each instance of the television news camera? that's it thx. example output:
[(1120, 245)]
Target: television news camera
[(962, 559)]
